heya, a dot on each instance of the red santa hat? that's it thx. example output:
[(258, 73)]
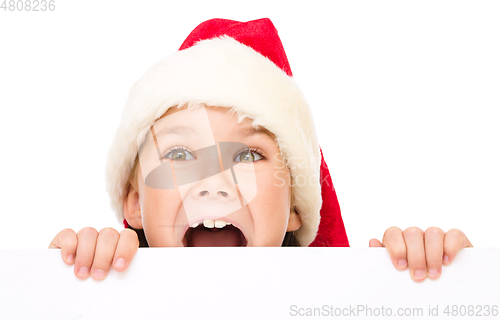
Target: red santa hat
[(241, 66)]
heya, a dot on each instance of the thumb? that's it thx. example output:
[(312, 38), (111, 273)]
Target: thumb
[(67, 241)]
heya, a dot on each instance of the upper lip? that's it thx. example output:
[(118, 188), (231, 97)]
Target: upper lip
[(234, 223)]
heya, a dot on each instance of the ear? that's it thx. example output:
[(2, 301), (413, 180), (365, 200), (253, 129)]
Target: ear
[(294, 222), (132, 208)]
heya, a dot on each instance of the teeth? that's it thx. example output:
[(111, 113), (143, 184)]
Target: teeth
[(212, 223), (208, 223), (220, 223)]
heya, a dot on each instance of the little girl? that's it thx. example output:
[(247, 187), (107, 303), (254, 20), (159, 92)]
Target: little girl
[(217, 147)]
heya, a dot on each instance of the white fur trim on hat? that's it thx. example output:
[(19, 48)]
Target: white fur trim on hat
[(223, 72)]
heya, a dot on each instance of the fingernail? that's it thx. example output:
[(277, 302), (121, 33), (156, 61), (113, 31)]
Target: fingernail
[(120, 263), (446, 259), (70, 258), (98, 274), (83, 271), (433, 272), (402, 263), (419, 273)]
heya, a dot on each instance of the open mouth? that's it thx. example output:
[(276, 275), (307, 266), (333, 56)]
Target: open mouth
[(220, 236)]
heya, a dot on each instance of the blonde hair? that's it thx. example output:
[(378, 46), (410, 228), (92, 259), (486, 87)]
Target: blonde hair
[(132, 177)]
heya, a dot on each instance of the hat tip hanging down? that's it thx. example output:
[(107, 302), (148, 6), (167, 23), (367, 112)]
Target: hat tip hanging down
[(331, 231), (261, 37)]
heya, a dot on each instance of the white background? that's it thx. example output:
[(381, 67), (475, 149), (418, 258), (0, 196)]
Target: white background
[(405, 97)]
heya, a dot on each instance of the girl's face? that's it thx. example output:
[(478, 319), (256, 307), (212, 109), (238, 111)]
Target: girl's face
[(205, 180)]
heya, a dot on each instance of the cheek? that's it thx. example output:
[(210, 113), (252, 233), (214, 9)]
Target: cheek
[(274, 186), (271, 207), (159, 209)]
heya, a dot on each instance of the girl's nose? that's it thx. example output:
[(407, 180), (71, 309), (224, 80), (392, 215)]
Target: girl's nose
[(223, 193), (217, 187)]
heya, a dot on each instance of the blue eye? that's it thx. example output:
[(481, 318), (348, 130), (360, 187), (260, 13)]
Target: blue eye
[(179, 153), (248, 155)]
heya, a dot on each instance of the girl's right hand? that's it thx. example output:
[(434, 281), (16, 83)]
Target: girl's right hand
[(95, 251)]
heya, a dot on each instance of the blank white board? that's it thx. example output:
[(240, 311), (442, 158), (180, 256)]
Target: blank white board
[(247, 283)]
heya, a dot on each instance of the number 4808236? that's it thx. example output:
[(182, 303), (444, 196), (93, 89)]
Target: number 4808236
[(28, 5)]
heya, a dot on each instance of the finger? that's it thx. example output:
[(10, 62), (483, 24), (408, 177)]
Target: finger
[(433, 239), (126, 249), (414, 239), (104, 253), (454, 241), (374, 243), (66, 241), (87, 239), (395, 244)]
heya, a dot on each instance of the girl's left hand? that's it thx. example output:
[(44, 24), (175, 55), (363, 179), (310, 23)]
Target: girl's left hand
[(424, 253)]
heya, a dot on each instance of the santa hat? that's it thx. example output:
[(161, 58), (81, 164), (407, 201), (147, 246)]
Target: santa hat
[(242, 66)]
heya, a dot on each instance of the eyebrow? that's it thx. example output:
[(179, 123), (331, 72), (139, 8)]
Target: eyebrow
[(250, 132), (247, 132), (178, 130)]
